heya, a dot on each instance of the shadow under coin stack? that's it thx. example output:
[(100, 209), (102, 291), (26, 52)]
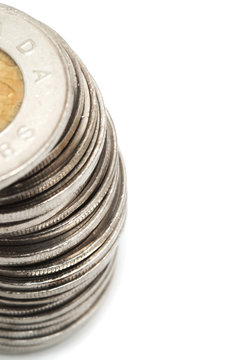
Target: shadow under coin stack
[(62, 188)]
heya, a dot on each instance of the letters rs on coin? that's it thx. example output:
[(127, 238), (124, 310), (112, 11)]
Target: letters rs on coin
[(62, 187)]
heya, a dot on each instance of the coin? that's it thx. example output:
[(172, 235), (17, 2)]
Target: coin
[(36, 128)]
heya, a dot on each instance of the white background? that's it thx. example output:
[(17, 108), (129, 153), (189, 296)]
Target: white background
[(168, 71)]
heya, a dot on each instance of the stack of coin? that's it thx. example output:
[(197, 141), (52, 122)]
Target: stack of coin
[(62, 187)]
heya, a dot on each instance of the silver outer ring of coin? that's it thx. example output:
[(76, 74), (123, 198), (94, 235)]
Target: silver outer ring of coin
[(48, 96)]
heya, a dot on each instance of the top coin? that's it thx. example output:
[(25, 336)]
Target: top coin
[(36, 94)]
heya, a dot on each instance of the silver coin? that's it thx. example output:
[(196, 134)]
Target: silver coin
[(36, 129)]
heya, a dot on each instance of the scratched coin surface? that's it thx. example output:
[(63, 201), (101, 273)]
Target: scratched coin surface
[(62, 187), (11, 89)]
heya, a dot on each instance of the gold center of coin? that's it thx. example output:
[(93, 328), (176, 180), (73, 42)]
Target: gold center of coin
[(11, 89)]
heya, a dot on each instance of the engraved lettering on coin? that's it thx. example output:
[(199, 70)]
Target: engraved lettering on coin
[(26, 47), (11, 90), (6, 151), (40, 75), (25, 133)]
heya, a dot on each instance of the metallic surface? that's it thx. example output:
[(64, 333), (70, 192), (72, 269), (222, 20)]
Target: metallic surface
[(62, 192), (11, 90)]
